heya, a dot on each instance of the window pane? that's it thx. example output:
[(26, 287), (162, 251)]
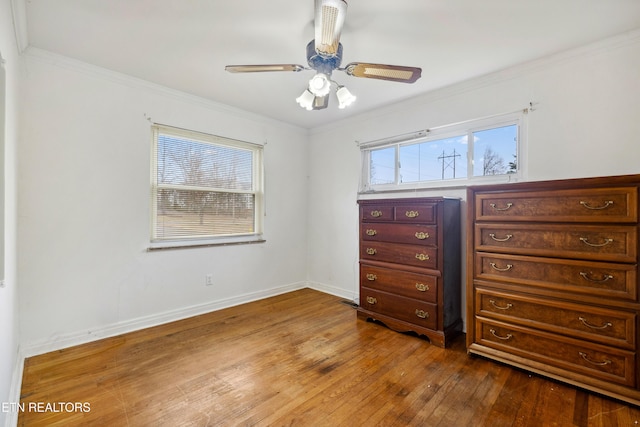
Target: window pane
[(495, 151), (204, 186), (184, 161), (383, 166), (434, 160), (184, 213)]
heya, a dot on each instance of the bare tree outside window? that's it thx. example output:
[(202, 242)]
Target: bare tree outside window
[(493, 164), (493, 146), (203, 188)]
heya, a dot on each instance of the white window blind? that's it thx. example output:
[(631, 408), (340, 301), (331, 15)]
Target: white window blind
[(204, 186)]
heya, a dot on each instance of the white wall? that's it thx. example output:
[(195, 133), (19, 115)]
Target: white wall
[(85, 271), (9, 294), (585, 123)]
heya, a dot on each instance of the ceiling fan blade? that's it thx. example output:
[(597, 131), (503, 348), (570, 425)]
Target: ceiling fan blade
[(263, 68), (329, 20), (395, 73)]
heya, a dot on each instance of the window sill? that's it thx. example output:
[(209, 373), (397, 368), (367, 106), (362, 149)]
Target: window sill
[(185, 244), (442, 185)]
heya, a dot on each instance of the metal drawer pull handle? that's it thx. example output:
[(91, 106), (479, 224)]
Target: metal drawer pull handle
[(493, 205), (507, 307), (493, 332), (422, 314), (412, 214), (372, 300), (422, 257), (421, 236), (586, 359), (422, 287), (585, 240), (585, 323), (371, 232), (371, 251), (493, 265), (498, 239), (605, 206), (376, 214), (605, 277), (371, 277)]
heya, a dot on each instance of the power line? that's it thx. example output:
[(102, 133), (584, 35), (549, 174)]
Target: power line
[(449, 161)]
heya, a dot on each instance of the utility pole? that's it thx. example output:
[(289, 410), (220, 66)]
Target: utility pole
[(449, 161)]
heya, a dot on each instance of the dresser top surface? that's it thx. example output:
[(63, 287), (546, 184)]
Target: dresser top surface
[(408, 200), (592, 182)]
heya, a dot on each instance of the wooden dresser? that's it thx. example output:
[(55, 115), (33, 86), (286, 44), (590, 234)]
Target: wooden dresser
[(410, 265), (552, 284)]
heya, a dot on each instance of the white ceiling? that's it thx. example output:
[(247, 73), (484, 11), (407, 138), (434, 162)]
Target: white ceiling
[(185, 45)]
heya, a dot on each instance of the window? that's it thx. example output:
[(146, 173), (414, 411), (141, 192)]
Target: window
[(448, 155), (205, 188)]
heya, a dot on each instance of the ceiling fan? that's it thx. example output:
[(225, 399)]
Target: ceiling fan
[(324, 55)]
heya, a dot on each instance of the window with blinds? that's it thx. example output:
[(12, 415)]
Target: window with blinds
[(204, 187)]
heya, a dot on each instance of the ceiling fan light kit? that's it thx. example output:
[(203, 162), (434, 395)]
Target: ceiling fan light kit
[(324, 55), (319, 85)]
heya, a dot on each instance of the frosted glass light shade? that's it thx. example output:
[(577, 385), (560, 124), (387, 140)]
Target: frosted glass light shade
[(319, 85), (306, 100), (345, 98)]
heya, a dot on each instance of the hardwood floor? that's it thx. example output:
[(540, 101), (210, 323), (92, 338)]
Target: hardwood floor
[(299, 359)]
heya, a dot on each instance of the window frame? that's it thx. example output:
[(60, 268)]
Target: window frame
[(257, 190), (443, 132)]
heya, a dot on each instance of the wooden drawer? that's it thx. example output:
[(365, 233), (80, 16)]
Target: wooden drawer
[(419, 256), (586, 278), (413, 285), (575, 205), (598, 324), (377, 213), (400, 233), (606, 243), (410, 310), (590, 359), (418, 213)]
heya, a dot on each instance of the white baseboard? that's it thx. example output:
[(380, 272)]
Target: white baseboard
[(351, 295), (11, 419), (83, 337)]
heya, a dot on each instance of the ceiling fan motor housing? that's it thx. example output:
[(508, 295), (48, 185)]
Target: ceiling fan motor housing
[(323, 63)]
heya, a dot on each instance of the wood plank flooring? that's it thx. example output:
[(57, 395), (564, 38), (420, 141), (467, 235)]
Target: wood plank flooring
[(298, 359)]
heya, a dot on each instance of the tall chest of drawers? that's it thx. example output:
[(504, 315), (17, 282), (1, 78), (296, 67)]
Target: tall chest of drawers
[(410, 265), (552, 284)]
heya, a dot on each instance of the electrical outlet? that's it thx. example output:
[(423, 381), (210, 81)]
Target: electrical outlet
[(208, 280)]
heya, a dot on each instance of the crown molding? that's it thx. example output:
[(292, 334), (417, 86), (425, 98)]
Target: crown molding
[(19, 12), (498, 76), (75, 65)]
